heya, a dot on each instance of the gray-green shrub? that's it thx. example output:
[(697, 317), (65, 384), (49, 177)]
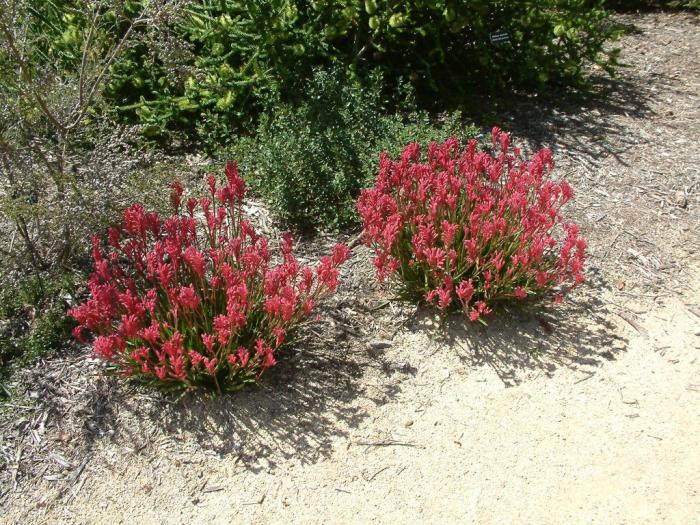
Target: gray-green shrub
[(310, 161)]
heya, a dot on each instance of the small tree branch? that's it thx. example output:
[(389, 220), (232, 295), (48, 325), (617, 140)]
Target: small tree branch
[(24, 76), (83, 61), (85, 102)]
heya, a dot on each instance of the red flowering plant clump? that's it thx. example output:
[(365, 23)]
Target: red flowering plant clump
[(195, 299), (467, 228)]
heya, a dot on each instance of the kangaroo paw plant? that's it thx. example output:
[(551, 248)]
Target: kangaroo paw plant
[(196, 300), (467, 229)]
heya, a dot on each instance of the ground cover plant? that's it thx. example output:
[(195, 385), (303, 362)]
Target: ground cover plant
[(196, 299), (33, 317), (466, 229)]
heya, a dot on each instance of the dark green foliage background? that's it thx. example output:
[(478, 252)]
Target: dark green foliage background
[(226, 59)]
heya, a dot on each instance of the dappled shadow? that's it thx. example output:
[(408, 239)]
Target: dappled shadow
[(518, 343), (298, 410), (312, 398), (319, 393), (581, 123)]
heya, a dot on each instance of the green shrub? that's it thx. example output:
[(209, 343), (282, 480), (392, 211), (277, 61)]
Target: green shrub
[(217, 63), (310, 161), (455, 48), (212, 73)]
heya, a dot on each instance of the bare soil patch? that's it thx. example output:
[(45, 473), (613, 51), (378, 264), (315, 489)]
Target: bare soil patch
[(585, 413)]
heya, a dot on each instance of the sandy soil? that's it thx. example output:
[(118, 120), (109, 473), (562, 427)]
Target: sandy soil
[(589, 413)]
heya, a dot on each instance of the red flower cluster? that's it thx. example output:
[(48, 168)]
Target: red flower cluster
[(466, 228), (194, 299)]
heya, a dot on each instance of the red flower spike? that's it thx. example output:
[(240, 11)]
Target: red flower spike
[(488, 222), (171, 298), (340, 254), (176, 196)]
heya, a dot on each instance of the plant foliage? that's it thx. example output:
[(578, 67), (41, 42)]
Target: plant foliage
[(195, 299), (465, 229), (310, 160), (215, 64)]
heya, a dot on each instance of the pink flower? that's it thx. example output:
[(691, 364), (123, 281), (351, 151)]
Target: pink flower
[(243, 356), (307, 306), (269, 360), (327, 273), (505, 208), (448, 232), (107, 346), (113, 236), (465, 291), (210, 365), (195, 358), (307, 279), (188, 298), (340, 254), (279, 335), (208, 341), (542, 278), (520, 292), (435, 257), (222, 326), (77, 334), (195, 259), (174, 347), (287, 243), (151, 334), (176, 196), (235, 182), (262, 349), (130, 326), (444, 297)]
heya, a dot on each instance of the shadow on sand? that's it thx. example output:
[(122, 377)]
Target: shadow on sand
[(516, 343), (300, 409)]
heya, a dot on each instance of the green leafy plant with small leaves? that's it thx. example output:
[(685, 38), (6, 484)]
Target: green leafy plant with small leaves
[(310, 161)]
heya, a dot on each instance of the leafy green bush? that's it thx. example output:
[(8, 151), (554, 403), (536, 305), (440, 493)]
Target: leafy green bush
[(216, 64), (311, 160), (211, 74), (458, 47)]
